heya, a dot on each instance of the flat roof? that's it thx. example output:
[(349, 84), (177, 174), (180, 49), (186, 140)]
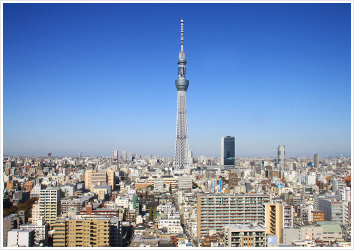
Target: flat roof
[(233, 195), (245, 227)]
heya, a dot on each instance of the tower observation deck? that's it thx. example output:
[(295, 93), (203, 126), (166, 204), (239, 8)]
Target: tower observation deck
[(181, 160)]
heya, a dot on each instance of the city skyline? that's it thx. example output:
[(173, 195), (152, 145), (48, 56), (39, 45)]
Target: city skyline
[(93, 78)]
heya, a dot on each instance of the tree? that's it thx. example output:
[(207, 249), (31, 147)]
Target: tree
[(62, 194), (150, 214), (27, 206), (155, 213)]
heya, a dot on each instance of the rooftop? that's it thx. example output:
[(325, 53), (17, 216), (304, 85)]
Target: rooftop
[(244, 227)]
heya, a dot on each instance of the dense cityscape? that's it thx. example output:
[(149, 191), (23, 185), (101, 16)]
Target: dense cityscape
[(129, 200)]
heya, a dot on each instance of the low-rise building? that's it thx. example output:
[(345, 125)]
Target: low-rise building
[(303, 243), (20, 238), (41, 232), (241, 235), (10, 222), (288, 235)]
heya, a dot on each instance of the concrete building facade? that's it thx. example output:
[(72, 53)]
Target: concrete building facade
[(241, 235), (49, 204), (20, 238), (215, 211), (277, 216)]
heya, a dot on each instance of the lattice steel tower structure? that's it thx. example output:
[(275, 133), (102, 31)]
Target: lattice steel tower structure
[(181, 160)]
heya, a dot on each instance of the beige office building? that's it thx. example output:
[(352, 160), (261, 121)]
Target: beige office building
[(94, 178), (277, 216)]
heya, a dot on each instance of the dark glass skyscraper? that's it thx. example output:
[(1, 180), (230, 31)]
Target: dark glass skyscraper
[(228, 150)]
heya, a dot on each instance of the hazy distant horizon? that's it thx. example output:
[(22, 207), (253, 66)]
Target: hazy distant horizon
[(143, 155), (93, 78)]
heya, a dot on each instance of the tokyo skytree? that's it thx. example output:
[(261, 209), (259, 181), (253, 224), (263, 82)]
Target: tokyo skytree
[(181, 160)]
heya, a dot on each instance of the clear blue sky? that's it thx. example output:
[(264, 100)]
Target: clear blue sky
[(92, 78)]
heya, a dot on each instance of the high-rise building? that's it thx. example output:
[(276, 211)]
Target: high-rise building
[(49, 204), (216, 211), (131, 156), (190, 156), (115, 155), (80, 155), (228, 150), (49, 154), (277, 216), (181, 160), (281, 157), (124, 155), (316, 161)]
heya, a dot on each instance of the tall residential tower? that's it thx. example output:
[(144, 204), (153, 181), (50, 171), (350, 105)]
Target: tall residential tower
[(181, 161)]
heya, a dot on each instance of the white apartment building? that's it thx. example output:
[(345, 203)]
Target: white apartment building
[(20, 238), (35, 213), (311, 179), (165, 207), (306, 212), (36, 190), (123, 202), (49, 204), (338, 184), (41, 231), (336, 210), (168, 223), (344, 194), (139, 219), (175, 229)]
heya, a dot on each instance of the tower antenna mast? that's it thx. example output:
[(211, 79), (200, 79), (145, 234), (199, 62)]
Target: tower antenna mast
[(181, 160)]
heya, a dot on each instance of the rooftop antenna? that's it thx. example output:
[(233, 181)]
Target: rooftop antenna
[(182, 37)]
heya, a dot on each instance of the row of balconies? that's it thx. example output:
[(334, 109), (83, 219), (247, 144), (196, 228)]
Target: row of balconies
[(227, 217), (230, 212), (210, 213), (231, 203), (231, 208)]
